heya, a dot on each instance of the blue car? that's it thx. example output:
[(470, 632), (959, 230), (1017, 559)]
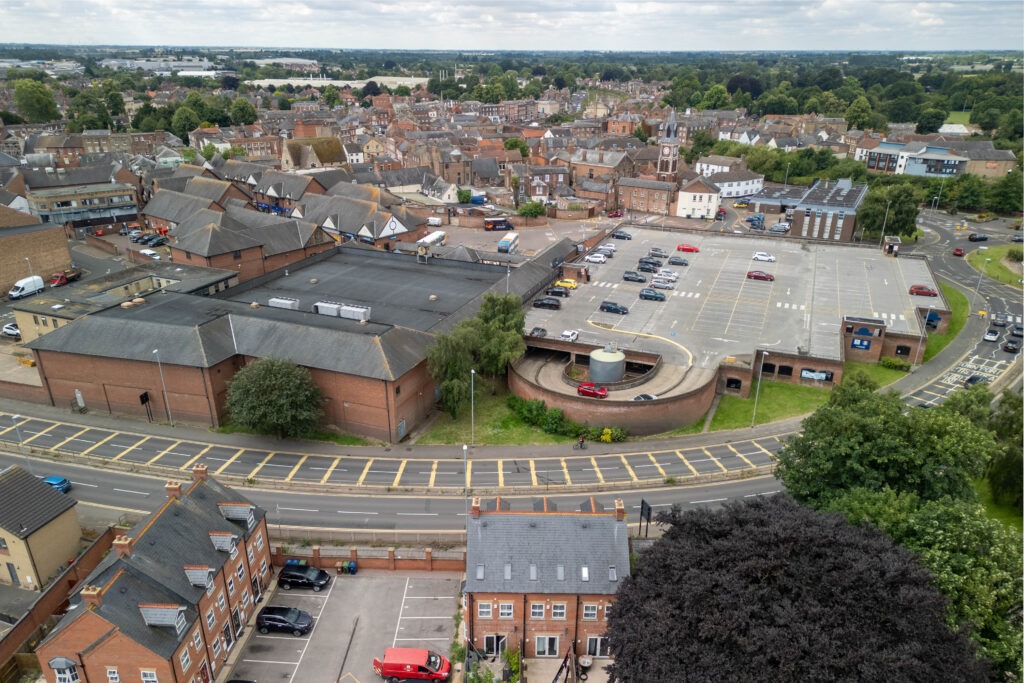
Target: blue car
[(59, 483)]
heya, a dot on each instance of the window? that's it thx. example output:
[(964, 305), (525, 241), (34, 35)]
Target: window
[(210, 620), (259, 541), (537, 610), (558, 611), (585, 573), (234, 551), (590, 612), (113, 676), (505, 610), (245, 598), (149, 677), (612, 574), (69, 675), (240, 572), (263, 566), (209, 585), (479, 572), (197, 641), (186, 661), (508, 571), (533, 572), (3, 543), (179, 622), (483, 610), (216, 647), (231, 585), (220, 601), (597, 646), (547, 646), (560, 572)]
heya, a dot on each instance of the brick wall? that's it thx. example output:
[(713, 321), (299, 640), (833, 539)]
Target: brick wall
[(45, 248)]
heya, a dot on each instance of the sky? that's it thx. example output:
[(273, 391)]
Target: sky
[(613, 25)]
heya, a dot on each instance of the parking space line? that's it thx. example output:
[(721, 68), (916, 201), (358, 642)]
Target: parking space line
[(98, 444), (252, 475), (533, 472), (38, 434), (398, 474), (768, 452), (433, 474), (740, 455), (229, 461), (597, 470), (162, 453), (714, 460), (188, 465), (366, 470), (70, 438), (401, 611), (327, 474), (135, 445), (629, 469), (501, 474), (295, 469), (686, 462), (431, 640), (565, 471), (654, 460)]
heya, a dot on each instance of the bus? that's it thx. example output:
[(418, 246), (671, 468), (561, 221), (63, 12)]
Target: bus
[(500, 223), (434, 239), (509, 244)]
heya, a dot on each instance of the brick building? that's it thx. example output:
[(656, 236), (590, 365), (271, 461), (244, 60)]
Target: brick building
[(172, 598), (543, 582), (649, 196)]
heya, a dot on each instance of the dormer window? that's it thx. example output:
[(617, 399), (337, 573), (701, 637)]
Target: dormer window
[(179, 623), (585, 573), (234, 550)]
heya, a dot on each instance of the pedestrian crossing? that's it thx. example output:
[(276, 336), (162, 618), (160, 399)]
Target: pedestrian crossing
[(888, 316), (788, 306), (666, 292)]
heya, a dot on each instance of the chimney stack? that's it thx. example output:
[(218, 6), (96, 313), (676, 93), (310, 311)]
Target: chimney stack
[(123, 546), (199, 473), (92, 596), (173, 488), (620, 510), (474, 509)]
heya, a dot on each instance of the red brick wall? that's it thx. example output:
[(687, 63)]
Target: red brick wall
[(524, 628), (46, 251)]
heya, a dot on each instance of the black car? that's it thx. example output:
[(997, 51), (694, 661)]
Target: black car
[(149, 239), (538, 332), (678, 261), (620, 235), (285, 619), (607, 253), (975, 379), (612, 307), (303, 577), (633, 276), (977, 237), (1017, 331), (652, 295), (657, 263), (158, 242), (547, 302), (556, 291), (138, 237), (646, 268), (1011, 346)]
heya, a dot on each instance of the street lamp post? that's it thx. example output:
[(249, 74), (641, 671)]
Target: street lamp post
[(757, 392), (29, 266), (981, 271), (472, 408), (163, 386), (885, 221), (16, 419)]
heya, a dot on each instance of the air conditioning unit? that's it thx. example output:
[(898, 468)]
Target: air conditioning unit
[(327, 308), (284, 302), (355, 312)]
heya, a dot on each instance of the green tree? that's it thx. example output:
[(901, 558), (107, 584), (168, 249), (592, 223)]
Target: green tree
[(968, 192), (640, 134), (34, 101), (208, 151), (518, 143), (464, 196), (531, 210), (449, 361), (184, 122), (1004, 195), (242, 112), (275, 396), (893, 208), (115, 103), (331, 96), (930, 120), (1005, 472), (858, 114), (717, 97)]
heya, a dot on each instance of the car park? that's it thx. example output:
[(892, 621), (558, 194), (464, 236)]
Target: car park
[(687, 247), (633, 276), (556, 291), (662, 283), (592, 390), (922, 290), (657, 252), (568, 283), (646, 267), (992, 335), (303, 576), (570, 335), (284, 619), (538, 332), (678, 261), (667, 274), (1011, 346), (621, 235), (615, 213), (644, 397), (959, 251), (547, 302), (977, 237), (760, 275), (612, 307), (763, 256), (58, 483), (652, 295), (975, 379), (1000, 320), (595, 258), (12, 330)]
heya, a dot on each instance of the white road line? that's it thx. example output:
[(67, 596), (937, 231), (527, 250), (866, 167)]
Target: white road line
[(78, 483), (298, 509), (416, 514), (268, 661), (712, 500), (401, 610), (138, 493), (755, 495), (356, 512), (424, 640)]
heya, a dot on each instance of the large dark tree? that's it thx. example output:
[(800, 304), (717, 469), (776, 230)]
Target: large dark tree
[(769, 590), (275, 396)]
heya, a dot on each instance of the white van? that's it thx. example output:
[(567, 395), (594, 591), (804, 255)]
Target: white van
[(150, 253), (434, 221), (26, 286)]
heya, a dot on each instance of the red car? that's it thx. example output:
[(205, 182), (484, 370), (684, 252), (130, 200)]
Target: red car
[(922, 290), (592, 390), (617, 213), (959, 251), (688, 247), (760, 275)]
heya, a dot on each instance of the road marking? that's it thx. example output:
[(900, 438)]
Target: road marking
[(740, 455), (128, 450), (433, 474), (138, 493), (714, 459), (188, 465), (469, 473), (355, 512), (655, 461), (597, 470), (297, 509), (629, 469), (768, 452), (416, 514), (38, 434), (687, 462), (401, 611), (98, 444), (79, 483), (398, 474), (162, 453), (70, 438), (366, 470), (252, 475), (533, 472), (229, 461), (271, 661), (565, 472), (295, 469), (710, 500), (501, 474), (327, 474)]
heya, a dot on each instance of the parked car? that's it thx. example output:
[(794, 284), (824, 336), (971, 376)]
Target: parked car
[(959, 251), (406, 663), (646, 267), (570, 335), (284, 619), (303, 577), (137, 236), (741, 203), (922, 290), (763, 256), (608, 245), (149, 253), (633, 276), (760, 275), (644, 397), (779, 228), (159, 241), (538, 332), (607, 253), (678, 261), (975, 379), (662, 283), (658, 252), (686, 247), (133, 233), (992, 335), (978, 237), (148, 239), (667, 274), (650, 260), (556, 291), (1011, 346), (1017, 331), (615, 213), (12, 330), (595, 258), (567, 282), (547, 302), (755, 218), (756, 226), (592, 390), (651, 294), (621, 235), (1017, 237), (612, 307), (59, 483)]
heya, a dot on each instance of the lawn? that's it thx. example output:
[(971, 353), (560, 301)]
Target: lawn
[(958, 318), (340, 439), (963, 117), (496, 425), (882, 376), (778, 401), (1006, 514), (996, 268)]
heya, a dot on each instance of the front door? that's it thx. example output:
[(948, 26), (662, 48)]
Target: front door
[(229, 637), (204, 673), (14, 574), (257, 589), (236, 620), (597, 646)]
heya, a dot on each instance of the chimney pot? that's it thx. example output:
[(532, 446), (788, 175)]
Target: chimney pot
[(474, 509), (123, 546), (199, 472), (92, 595), (620, 510), (173, 488)]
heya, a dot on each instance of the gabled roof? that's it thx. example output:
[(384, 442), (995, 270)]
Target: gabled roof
[(38, 179), (27, 503), (175, 207), (700, 185), (278, 184)]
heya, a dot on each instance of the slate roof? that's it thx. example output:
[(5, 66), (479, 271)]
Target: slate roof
[(27, 504), (37, 179), (647, 184), (739, 175), (700, 185), (209, 233), (207, 188), (283, 184), (548, 541), (175, 207), (12, 218)]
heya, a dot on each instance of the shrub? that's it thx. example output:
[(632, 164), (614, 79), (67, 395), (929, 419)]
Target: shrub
[(1015, 254), (554, 421), (894, 364), (457, 652)]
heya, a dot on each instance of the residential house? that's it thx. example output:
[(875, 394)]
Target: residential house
[(709, 165), (543, 582), (595, 164), (698, 198), (738, 183)]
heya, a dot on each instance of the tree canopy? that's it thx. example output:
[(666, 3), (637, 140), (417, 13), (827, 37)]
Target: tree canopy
[(769, 590), (34, 101), (275, 396)]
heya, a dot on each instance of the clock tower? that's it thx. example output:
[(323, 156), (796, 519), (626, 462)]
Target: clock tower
[(668, 157)]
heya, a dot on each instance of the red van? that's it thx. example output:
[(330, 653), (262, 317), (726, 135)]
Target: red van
[(411, 664)]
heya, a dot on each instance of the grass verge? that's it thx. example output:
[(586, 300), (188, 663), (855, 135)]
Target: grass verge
[(778, 401), (963, 117), (332, 437), (881, 375), (495, 425), (995, 268), (959, 310), (1007, 514)]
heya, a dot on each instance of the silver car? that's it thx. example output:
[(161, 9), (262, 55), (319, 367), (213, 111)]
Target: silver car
[(662, 283), (763, 256), (667, 274)]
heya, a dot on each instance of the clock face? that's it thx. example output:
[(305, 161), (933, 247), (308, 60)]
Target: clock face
[(665, 151)]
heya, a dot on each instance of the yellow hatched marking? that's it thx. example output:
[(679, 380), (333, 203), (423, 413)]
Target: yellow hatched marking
[(533, 472), (229, 461), (469, 472), (565, 472), (629, 469), (597, 470), (740, 455), (131, 448), (38, 434), (398, 474), (714, 460), (501, 473), (433, 474), (98, 444), (767, 452), (255, 470), (327, 474), (686, 462), (655, 461), (366, 470), (162, 453), (72, 437), (192, 460), (295, 469)]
